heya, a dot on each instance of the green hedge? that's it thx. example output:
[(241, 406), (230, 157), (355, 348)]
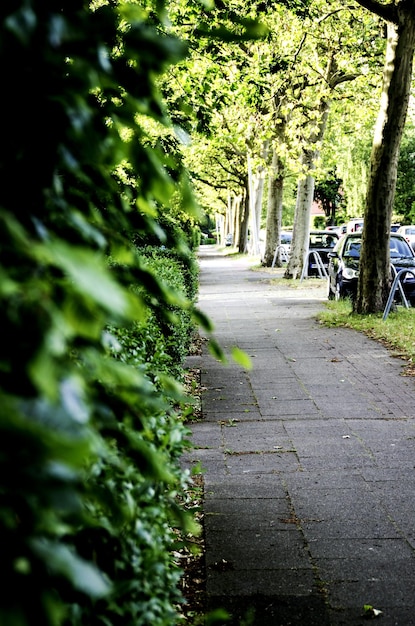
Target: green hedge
[(90, 430), (159, 343), (89, 482), (135, 547)]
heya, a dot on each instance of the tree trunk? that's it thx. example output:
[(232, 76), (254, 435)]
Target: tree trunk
[(236, 218), (374, 281), (305, 194), (244, 223), (274, 210), (229, 221), (255, 186), (305, 189), (258, 207), (301, 230)]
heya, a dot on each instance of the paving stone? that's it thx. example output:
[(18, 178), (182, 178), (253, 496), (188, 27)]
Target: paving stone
[(308, 459), (245, 486), (273, 582)]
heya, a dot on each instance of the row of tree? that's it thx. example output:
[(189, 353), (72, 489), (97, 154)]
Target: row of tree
[(295, 105)]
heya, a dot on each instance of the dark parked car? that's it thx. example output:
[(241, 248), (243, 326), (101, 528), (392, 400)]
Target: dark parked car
[(321, 243), (343, 267)]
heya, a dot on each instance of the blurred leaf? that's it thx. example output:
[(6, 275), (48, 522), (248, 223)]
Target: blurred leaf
[(203, 320), (155, 462), (22, 23), (72, 392), (370, 612), (63, 561), (91, 277), (217, 616), (241, 357), (216, 350), (81, 317), (251, 30)]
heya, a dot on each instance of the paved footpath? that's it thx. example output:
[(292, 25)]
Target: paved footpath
[(308, 460)]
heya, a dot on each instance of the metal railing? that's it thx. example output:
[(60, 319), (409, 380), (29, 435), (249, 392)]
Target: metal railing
[(396, 284), (284, 257), (322, 272)]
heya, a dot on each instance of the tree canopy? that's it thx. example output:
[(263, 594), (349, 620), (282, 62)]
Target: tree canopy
[(270, 96), (251, 98)]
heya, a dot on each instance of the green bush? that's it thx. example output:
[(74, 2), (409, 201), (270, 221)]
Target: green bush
[(145, 534), (89, 434), (160, 342)]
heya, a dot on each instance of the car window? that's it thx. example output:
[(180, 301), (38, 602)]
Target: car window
[(286, 238), (322, 240), (316, 241), (330, 241), (399, 248), (352, 247)]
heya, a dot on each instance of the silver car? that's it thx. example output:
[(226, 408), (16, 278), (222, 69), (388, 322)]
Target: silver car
[(409, 233)]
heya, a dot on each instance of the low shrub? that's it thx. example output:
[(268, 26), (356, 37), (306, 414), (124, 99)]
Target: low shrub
[(134, 515), (159, 343)]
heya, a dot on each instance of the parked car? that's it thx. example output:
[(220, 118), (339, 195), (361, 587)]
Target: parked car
[(321, 243), (286, 239), (409, 233), (343, 269), (339, 230), (284, 247), (355, 225)]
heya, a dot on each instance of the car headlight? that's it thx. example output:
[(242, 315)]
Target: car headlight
[(349, 274)]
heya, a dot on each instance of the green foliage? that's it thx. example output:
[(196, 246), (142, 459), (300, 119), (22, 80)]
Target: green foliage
[(234, 98), (89, 435), (405, 185), (352, 157), (329, 193), (160, 342), (319, 222), (241, 358)]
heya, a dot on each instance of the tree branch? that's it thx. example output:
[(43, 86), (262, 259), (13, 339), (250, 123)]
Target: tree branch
[(207, 182), (343, 78), (347, 7), (386, 11), (233, 173)]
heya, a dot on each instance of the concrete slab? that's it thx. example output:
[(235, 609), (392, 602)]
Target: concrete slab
[(308, 458)]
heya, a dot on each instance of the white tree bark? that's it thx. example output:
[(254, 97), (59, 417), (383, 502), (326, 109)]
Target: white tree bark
[(301, 230), (274, 209), (255, 187), (305, 194)]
